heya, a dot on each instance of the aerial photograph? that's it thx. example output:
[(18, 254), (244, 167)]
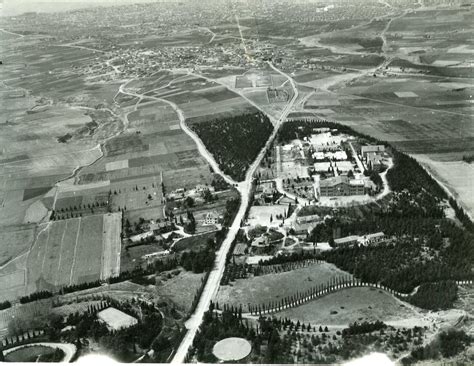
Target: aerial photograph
[(237, 181)]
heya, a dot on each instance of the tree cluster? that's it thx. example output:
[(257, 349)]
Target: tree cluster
[(5, 305), (236, 141), (362, 328), (435, 296), (448, 344)]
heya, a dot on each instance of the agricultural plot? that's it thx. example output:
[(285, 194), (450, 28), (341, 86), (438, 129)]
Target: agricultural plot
[(74, 251), (432, 117), (274, 287), (15, 240), (457, 176)]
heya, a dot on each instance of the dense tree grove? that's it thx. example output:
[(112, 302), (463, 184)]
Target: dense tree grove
[(365, 327), (448, 344), (5, 305), (399, 266), (408, 174), (198, 262), (236, 141), (435, 296)]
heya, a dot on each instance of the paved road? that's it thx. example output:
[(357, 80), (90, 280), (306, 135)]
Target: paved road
[(212, 284), (68, 349), (356, 157)]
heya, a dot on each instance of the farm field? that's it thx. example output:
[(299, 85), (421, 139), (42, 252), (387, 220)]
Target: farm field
[(272, 287), (351, 305), (457, 176), (14, 241), (68, 252), (420, 115)]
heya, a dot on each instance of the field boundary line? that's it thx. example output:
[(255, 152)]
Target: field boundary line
[(75, 251), (61, 252)]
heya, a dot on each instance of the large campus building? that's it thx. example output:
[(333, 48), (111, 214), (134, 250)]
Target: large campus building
[(341, 186)]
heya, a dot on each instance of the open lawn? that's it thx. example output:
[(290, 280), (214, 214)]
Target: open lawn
[(272, 287), (351, 305)]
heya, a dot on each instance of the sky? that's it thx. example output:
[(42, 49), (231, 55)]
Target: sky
[(15, 7)]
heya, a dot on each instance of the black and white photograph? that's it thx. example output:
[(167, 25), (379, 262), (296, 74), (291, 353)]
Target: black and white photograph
[(237, 182)]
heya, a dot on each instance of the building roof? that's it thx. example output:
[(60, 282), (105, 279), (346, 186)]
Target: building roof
[(307, 218), (332, 182), (323, 166), (304, 226), (346, 239), (371, 148), (374, 158), (343, 165), (357, 182), (374, 235), (116, 319)]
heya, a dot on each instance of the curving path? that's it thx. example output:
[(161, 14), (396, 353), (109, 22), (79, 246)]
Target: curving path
[(69, 349)]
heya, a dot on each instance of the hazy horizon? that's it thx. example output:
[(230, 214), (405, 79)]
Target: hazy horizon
[(17, 7)]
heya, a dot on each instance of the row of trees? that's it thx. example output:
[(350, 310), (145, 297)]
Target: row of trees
[(36, 296)]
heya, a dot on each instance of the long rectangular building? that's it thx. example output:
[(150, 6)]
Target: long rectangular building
[(341, 186)]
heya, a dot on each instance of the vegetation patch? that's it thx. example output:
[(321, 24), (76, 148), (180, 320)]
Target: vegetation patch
[(448, 344), (235, 142), (435, 296), (35, 354)]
